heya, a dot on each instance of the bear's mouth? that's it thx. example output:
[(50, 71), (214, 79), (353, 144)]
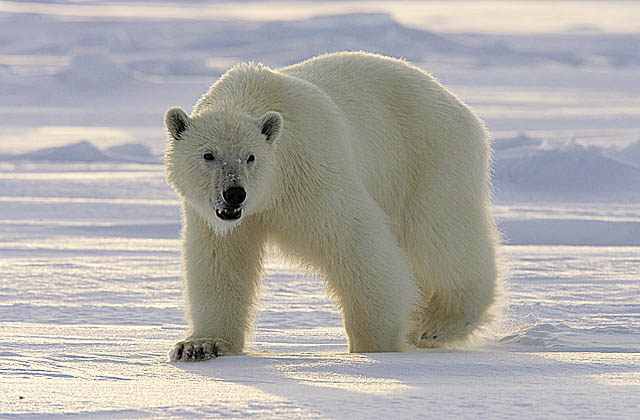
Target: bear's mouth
[(229, 213)]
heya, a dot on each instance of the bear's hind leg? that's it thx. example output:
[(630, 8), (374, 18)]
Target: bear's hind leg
[(459, 285), (454, 306)]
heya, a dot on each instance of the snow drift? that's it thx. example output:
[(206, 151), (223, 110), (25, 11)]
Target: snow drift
[(85, 151), (527, 171)]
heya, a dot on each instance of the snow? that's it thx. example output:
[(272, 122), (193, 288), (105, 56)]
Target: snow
[(570, 172), (90, 292), (85, 151), (630, 154)]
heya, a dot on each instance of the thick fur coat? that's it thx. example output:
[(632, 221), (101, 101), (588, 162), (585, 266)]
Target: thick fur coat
[(360, 166)]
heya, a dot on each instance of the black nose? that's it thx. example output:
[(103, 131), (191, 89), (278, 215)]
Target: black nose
[(234, 195)]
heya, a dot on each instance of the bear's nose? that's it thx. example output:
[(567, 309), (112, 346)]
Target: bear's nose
[(234, 195)]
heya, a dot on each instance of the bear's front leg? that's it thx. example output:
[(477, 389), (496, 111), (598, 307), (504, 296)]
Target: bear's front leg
[(221, 277)]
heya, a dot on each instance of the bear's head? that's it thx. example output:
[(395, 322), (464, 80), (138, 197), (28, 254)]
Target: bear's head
[(222, 163)]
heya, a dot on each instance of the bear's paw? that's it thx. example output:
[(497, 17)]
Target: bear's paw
[(436, 336), (198, 349)]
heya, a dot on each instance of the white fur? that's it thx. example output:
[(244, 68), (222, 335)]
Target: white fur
[(379, 180)]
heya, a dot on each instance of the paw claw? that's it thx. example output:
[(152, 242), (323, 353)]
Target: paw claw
[(430, 340)]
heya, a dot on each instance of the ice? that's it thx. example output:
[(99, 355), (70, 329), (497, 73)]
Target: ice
[(571, 173), (90, 291), (85, 151), (82, 151), (630, 154), (130, 150), (104, 315)]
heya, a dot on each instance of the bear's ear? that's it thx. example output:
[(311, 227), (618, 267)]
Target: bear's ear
[(177, 121), (271, 125)]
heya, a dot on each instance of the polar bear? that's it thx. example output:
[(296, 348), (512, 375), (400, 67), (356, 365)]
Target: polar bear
[(361, 166)]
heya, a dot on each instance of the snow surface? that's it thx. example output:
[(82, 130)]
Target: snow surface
[(90, 292)]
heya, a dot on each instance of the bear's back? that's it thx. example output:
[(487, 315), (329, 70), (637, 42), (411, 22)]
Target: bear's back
[(328, 70), (385, 98), (405, 127)]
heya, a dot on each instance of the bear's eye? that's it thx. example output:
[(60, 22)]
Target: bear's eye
[(208, 156), (251, 158)]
